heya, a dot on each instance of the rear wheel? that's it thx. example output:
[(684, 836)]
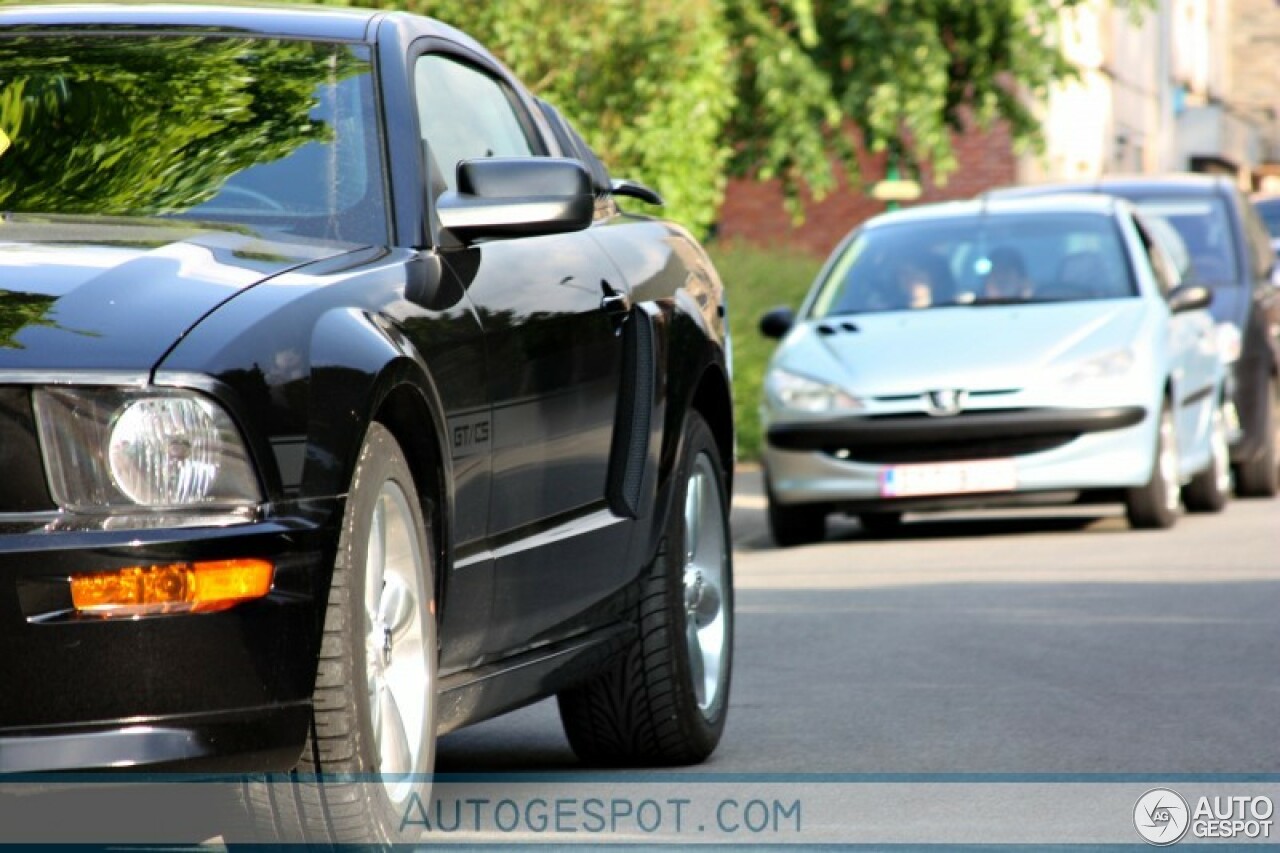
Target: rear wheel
[(1155, 505), (374, 701), (666, 701), (1256, 478), (1208, 490), (796, 524)]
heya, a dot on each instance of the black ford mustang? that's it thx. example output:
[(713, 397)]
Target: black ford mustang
[(341, 406)]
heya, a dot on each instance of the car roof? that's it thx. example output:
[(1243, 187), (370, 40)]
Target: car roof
[(1103, 205), (1123, 185), (320, 22)]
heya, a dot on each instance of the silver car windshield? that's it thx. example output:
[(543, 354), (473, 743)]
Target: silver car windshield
[(270, 134), (983, 259)]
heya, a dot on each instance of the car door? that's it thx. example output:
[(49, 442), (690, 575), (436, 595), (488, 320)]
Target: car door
[(1193, 359), (551, 307)]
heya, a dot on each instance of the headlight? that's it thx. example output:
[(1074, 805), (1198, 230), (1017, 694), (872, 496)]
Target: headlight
[(1109, 365), (1229, 343), (800, 394), (107, 449)]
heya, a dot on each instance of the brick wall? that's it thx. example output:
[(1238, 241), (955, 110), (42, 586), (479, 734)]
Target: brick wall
[(753, 210)]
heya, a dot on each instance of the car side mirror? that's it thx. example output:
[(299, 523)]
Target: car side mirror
[(1189, 297), (777, 322), (517, 197)]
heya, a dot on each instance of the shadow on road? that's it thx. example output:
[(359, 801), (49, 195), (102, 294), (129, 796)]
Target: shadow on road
[(753, 534)]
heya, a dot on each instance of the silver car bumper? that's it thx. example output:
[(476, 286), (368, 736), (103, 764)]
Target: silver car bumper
[(844, 461)]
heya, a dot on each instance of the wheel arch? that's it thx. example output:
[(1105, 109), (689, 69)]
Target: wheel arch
[(713, 400), (382, 378), (404, 411)]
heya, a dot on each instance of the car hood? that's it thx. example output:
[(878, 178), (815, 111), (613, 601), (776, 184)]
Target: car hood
[(975, 348), (111, 294)]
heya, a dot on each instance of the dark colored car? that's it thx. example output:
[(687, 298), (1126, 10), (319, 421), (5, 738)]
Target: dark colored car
[(342, 406), (1268, 208), (1231, 252)]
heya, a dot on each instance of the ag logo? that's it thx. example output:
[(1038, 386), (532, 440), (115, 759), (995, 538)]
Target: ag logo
[(1161, 817), (946, 402)]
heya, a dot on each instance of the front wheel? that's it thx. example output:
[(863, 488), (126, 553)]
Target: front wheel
[(1155, 505), (796, 524), (666, 701), (374, 717), (880, 524), (1208, 490)]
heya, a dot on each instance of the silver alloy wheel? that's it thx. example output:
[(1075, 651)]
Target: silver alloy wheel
[(1221, 452), (397, 644), (705, 561), (1168, 462)]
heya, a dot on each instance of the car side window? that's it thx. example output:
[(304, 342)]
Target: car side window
[(1259, 239), (573, 145), (466, 114), (1165, 273)]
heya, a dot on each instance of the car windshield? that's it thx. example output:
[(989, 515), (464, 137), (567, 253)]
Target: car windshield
[(264, 133), (977, 260), (1202, 223)]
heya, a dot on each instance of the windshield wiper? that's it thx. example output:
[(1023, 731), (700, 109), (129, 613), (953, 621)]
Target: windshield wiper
[(1001, 300)]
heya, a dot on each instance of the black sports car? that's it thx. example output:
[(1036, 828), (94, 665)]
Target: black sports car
[(341, 406)]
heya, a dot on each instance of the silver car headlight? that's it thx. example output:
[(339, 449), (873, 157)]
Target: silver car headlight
[(798, 393), (110, 449), (1108, 365), (1230, 344)]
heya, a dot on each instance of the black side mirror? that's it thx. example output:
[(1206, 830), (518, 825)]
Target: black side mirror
[(517, 197), (1189, 297), (777, 322)]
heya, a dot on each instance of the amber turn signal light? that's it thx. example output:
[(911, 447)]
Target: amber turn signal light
[(201, 587)]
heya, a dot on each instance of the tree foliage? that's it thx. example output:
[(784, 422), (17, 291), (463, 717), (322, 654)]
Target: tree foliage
[(678, 94), (648, 83)]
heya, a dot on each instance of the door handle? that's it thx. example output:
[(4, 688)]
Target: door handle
[(616, 305)]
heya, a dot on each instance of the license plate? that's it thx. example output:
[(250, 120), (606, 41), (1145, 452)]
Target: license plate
[(949, 478)]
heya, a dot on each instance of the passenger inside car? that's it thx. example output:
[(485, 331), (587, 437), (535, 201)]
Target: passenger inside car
[(1007, 278), (914, 287)]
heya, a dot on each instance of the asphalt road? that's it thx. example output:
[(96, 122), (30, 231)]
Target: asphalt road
[(1039, 641)]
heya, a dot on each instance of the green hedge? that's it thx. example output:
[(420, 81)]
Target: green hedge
[(648, 83), (755, 281)]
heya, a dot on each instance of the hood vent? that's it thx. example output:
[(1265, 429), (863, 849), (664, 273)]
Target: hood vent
[(828, 329)]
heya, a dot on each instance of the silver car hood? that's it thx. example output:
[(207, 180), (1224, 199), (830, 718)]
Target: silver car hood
[(974, 348)]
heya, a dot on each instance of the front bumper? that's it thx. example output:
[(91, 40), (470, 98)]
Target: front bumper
[(227, 691), (842, 462)]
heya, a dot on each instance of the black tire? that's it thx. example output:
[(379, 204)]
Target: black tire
[(1150, 506), (879, 524), (304, 807), (796, 524), (645, 712), (1209, 490), (1257, 477)]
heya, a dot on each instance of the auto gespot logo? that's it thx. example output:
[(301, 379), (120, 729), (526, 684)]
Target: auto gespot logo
[(1163, 817)]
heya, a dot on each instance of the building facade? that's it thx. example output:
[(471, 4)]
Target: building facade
[(1182, 85)]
